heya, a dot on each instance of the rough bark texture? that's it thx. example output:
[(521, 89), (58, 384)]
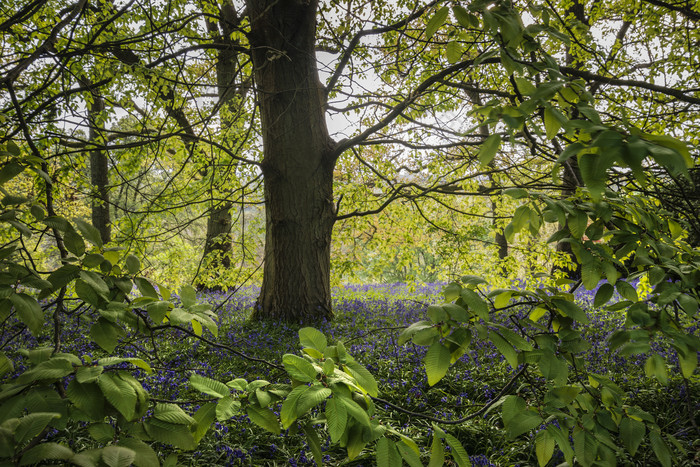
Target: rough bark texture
[(99, 172), (297, 165)]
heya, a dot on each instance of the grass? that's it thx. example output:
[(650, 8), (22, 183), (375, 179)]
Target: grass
[(368, 321)]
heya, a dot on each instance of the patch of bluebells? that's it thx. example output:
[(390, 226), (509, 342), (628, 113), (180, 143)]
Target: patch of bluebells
[(364, 315)]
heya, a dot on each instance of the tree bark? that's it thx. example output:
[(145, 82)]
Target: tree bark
[(99, 171), (297, 165)]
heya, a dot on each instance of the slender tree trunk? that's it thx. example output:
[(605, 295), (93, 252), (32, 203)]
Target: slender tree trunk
[(99, 171), (218, 242), (297, 164)]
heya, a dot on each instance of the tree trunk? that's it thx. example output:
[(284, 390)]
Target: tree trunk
[(218, 243), (297, 164), (99, 171)]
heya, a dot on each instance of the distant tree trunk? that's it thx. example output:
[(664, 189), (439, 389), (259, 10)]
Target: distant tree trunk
[(99, 170), (297, 164), (218, 242)]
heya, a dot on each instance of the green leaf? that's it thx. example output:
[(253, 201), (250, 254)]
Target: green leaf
[(264, 418), (74, 242), (409, 453), (133, 265), (336, 418), (51, 369), (655, 367), (571, 310), (89, 232), (6, 365), (632, 433), (585, 447), (188, 296), (101, 432), (355, 411), (437, 452), (505, 349), (311, 398), (145, 287), (626, 290), (32, 425), (603, 295), (475, 303), (437, 20), (227, 407), (660, 448), (46, 451), (458, 453), (172, 413), (298, 368), (489, 148), (10, 171), (363, 377), (544, 447), (437, 362), (209, 386), (552, 122), (454, 51), (311, 337), (516, 193), (387, 453), (29, 312), (119, 393), (87, 397), (179, 436), (106, 334), (144, 455)]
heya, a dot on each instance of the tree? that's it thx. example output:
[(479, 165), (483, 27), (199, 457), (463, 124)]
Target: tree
[(424, 68)]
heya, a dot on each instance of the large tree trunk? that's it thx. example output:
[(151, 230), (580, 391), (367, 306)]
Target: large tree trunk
[(99, 171), (297, 164)]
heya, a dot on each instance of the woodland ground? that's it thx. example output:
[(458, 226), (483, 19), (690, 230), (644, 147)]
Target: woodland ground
[(368, 321)]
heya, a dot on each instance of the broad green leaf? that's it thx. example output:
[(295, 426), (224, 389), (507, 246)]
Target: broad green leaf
[(312, 337), (314, 443), (364, 378), (101, 432), (603, 295), (205, 416), (571, 310), (544, 447), (106, 334), (516, 193), (437, 20), (475, 303), (505, 349), (54, 368), (660, 448), (336, 418), (29, 312), (10, 171), (188, 296), (172, 413), (264, 418), (437, 362), (552, 122), (387, 453), (87, 397), (145, 287), (144, 455), (311, 398), (133, 265), (209, 386), (489, 148), (299, 369), (6, 365), (355, 411), (32, 424), (46, 451), (410, 453), (89, 232), (179, 436), (626, 290), (655, 367), (119, 393), (226, 408), (585, 447), (632, 433), (437, 452), (454, 51), (74, 242), (457, 451)]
